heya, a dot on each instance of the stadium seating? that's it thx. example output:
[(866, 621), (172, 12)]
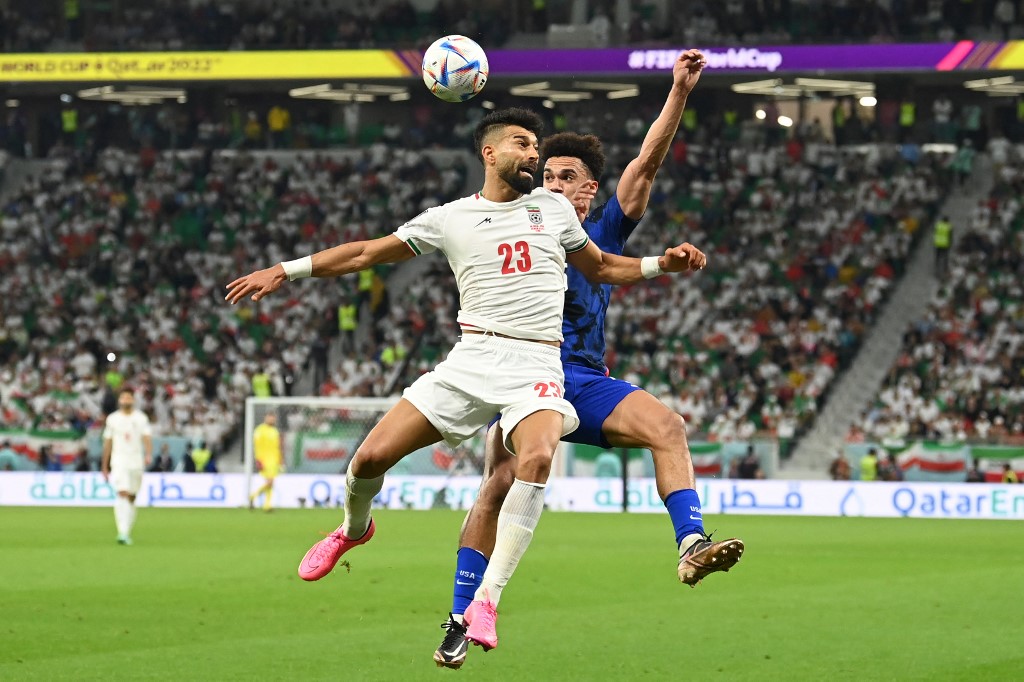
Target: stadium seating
[(167, 25), (128, 254), (959, 373)]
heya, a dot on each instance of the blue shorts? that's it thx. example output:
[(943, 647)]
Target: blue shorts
[(595, 395)]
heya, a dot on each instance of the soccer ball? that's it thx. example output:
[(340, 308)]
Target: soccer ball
[(455, 68)]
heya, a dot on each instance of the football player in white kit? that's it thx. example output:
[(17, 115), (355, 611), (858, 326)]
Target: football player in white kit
[(508, 246), (127, 451)]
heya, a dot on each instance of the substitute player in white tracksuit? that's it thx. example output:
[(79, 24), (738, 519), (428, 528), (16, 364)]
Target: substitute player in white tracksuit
[(508, 246), (127, 451)]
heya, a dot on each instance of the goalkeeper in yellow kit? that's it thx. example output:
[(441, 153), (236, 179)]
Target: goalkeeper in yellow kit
[(266, 442)]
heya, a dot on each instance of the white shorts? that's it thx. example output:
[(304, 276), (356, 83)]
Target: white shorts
[(126, 480), (484, 375)]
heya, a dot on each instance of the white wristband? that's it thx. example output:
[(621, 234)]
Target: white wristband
[(650, 267), (298, 268)]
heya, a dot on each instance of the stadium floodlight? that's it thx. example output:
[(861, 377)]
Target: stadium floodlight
[(868, 101), (833, 85), (600, 85), (757, 87), (804, 87), (351, 92), (1002, 86), (529, 88), (983, 83), (133, 94), (761, 114), (785, 121), (623, 94)]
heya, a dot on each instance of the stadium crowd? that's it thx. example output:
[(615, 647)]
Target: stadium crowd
[(330, 24), (960, 371), (805, 240), (115, 265)]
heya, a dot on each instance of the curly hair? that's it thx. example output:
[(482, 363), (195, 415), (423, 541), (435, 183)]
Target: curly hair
[(514, 116), (586, 148)]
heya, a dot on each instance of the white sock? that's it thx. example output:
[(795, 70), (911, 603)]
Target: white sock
[(688, 542), (516, 521), (121, 515), (131, 517), (359, 494)]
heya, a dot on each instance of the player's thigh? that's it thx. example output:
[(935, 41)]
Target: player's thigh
[(126, 482), (498, 461), (595, 396), (404, 429), (642, 421), (534, 384), (454, 397)]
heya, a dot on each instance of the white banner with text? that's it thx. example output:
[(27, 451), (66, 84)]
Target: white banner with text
[(718, 496)]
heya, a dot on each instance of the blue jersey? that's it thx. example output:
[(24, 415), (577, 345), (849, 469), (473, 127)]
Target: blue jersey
[(586, 304)]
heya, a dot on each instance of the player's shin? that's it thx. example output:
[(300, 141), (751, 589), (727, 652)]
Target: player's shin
[(130, 512), (518, 518), (359, 494), (684, 510), (121, 515), (470, 566)]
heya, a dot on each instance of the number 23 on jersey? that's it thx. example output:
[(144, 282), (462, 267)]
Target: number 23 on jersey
[(548, 389), (517, 257)]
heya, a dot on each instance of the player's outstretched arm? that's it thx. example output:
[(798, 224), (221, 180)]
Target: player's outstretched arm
[(634, 188), (333, 262), (607, 268)]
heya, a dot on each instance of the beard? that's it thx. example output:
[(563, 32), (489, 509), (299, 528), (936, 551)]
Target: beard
[(516, 180)]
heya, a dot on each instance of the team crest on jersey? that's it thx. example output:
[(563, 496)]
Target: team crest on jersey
[(535, 216)]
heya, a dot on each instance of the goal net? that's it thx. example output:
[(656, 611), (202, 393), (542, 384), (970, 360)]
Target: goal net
[(320, 435)]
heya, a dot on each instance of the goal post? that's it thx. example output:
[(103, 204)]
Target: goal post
[(318, 435)]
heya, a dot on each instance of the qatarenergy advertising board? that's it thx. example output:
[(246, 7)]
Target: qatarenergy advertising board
[(718, 496)]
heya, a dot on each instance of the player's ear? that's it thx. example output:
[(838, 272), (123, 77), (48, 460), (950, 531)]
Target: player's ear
[(488, 153)]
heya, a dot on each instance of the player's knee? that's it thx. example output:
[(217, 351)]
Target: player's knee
[(497, 485), (534, 466), (668, 432), (369, 461)]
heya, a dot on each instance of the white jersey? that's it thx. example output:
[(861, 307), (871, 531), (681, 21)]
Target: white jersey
[(508, 259), (126, 431)]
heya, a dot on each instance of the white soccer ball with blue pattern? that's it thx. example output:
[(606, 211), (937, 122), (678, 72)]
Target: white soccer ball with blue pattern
[(455, 68)]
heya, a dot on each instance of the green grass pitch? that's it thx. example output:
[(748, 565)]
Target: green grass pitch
[(213, 595)]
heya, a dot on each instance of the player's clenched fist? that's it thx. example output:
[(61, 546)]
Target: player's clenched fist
[(258, 284), (681, 258), (687, 69)]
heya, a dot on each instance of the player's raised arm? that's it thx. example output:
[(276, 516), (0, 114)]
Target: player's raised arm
[(634, 188), (333, 262), (607, 268)]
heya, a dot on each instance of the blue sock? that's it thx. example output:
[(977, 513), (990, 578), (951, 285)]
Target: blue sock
[(684, 510), (469, 573)]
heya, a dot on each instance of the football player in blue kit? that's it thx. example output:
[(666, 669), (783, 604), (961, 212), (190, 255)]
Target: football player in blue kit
[(612, 412)]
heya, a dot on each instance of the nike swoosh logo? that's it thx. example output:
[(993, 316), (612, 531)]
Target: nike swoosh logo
[(695, 518), (459, 582), (456, 650)]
